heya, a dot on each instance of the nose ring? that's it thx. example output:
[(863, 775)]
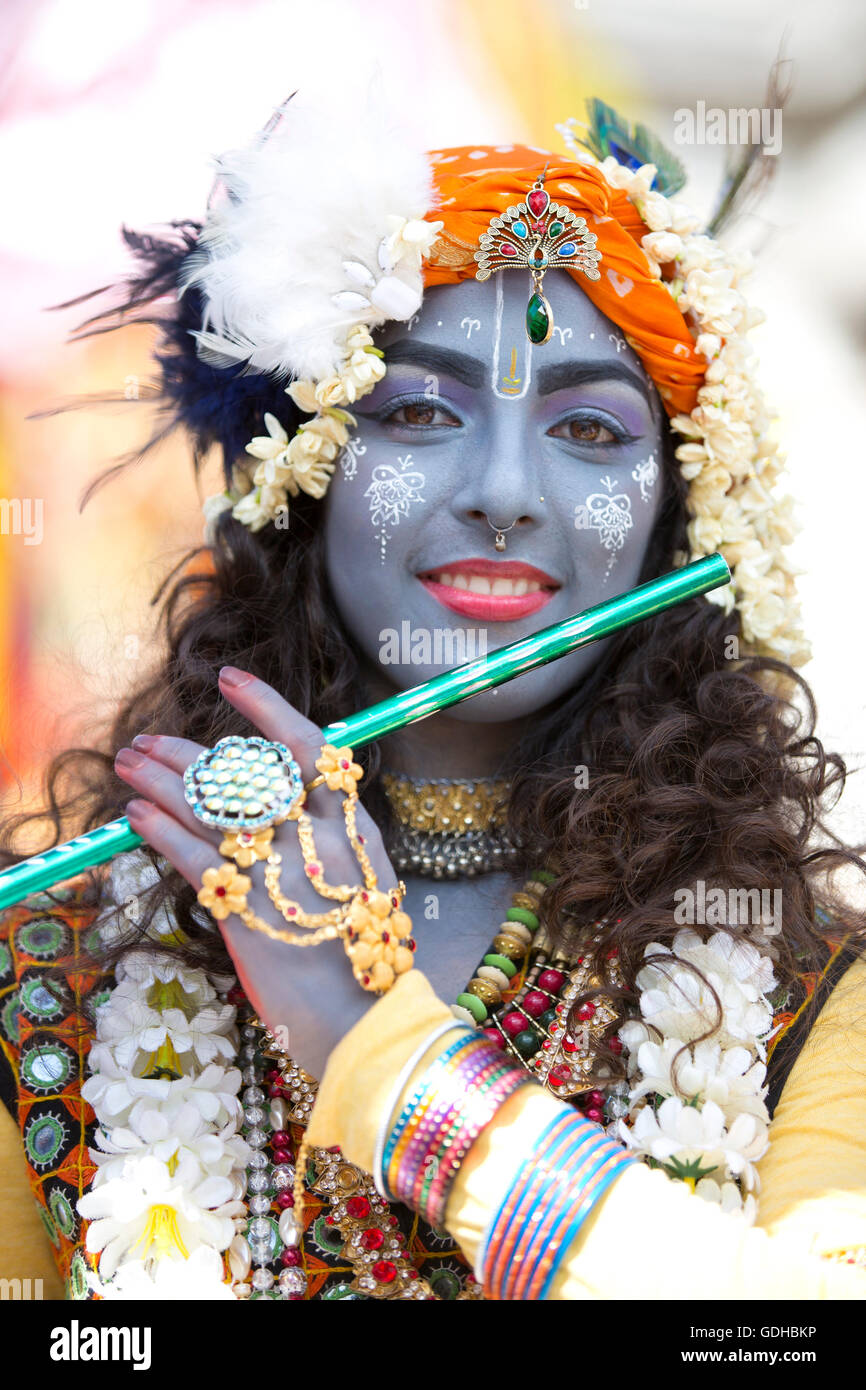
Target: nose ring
[(499, 542)]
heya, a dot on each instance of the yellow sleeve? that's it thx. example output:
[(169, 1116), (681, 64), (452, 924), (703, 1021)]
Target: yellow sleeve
[(649, 1236)]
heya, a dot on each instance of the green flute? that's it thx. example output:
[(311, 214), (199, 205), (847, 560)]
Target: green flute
[(85, 851)]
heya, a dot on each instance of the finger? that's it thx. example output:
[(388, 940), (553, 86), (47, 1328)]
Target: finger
[(189, 853), (277, 720), (274, 716), (164, 787), (176, 753)]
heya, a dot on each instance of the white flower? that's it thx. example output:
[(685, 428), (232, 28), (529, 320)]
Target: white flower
[(113, 1091), (202, 1277), (146, 1210), (271, 445), (692, 1141), (259, 506), (408, 240), (729, 1197), (135, 1031), (730, 1077)]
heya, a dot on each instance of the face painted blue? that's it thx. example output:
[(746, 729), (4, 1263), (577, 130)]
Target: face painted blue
[(475, 431)]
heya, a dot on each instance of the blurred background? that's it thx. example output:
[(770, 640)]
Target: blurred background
[(112, 114)]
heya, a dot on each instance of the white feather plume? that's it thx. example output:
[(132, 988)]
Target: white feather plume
[(314, 191)]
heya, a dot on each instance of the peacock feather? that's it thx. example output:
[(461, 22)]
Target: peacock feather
[(608, 134)]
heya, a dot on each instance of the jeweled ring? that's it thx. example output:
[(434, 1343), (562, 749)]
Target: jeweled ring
[(243, 783)]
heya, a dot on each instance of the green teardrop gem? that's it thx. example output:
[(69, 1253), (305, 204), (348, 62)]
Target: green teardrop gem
[(538, 321)]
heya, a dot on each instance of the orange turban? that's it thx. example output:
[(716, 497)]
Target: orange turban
[(476, 183)]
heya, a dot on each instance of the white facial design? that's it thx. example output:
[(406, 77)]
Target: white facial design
[(391, 492), (511, 372), (352, 451), (610, 515), (646, 473)]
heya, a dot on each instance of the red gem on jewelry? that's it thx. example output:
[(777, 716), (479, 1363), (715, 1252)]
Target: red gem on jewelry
[(569, 1045), (560, 1009), (586, 1011), (366, 980), (245, 837), (364, 897), (384, 1272), (538, 226), (282, 1156), (413, 1273), (386, 936), (537, 200), (547, 1045), (596, 1098), (411, 943), (535, 1003), (274, 1090), (493, 1035), (290, 1258), (343, 763), (373, 1239), (613, 953), (551, 980), (395, 902), (506, 249), (220, 892), (329, 1221), (513, 1023), (554, 1028), (358, 1207), (280, 1139), (290, 911), (272, 1074), (236, 995), (594, 1114), (392, 1221), (361, 840), (285, 1199), (313, 869), (615, 1046)]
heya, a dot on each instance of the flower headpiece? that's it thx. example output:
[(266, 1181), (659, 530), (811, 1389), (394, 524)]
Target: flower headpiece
[(297, 264)]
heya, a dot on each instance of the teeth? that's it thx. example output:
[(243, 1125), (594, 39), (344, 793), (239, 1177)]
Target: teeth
[(498, 588)]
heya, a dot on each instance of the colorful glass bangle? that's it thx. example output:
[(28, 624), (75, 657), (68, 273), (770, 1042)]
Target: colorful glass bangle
[(443, 1079), (558, 1250), (559, 1206), (403, 1079), (541, 1140), (515, 1244), (428, 1135), (436, 1068), (475, 1112), (500, 1091)]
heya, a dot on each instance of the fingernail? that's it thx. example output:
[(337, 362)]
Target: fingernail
[(232, 677), (144, 742), (137, 808), (126, 758)]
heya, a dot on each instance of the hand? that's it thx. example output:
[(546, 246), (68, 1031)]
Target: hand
[(310, 992)]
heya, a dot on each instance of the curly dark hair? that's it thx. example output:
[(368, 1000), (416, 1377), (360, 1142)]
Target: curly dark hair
[(699, 766)]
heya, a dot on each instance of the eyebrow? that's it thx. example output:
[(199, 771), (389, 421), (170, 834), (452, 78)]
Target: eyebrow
[(560, 375), (459, 365)]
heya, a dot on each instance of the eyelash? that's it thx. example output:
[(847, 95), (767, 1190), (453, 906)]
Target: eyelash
[(621, 435), (391, 407)]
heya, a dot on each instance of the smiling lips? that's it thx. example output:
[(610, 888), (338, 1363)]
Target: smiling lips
[(495, 591)]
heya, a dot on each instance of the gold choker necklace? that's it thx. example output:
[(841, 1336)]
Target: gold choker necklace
[(448, 829)]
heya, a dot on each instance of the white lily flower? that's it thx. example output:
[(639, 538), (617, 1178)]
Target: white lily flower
[(144, 1209), (200, 1277)]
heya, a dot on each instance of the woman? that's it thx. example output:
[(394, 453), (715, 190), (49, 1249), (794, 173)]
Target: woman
[(455, 456)]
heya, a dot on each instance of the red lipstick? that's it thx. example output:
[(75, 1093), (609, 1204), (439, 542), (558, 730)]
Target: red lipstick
[(506, 590)]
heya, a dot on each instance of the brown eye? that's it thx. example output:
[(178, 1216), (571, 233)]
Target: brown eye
[(418, 414), (421, 415), (583, 431)]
